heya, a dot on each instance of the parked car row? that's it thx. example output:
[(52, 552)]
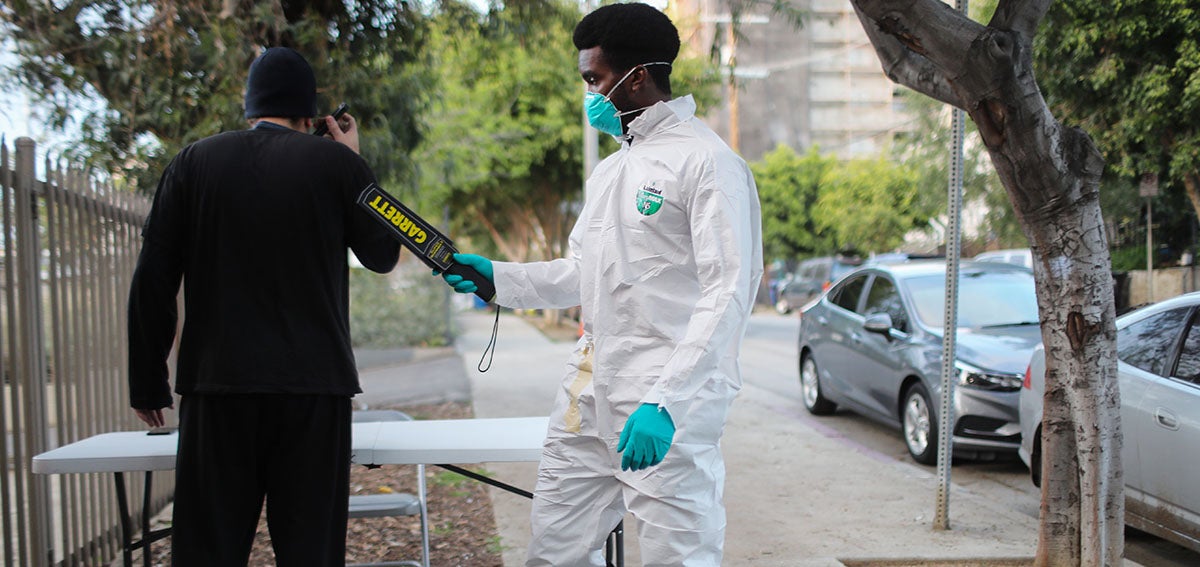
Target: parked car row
[(815, 275), (872, 344)]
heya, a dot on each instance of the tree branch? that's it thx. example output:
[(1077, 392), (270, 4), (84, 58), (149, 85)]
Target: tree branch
[(909, 36), (1021, 16)]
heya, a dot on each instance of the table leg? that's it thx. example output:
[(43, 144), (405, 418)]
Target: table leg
[(123, 506), (424, 516), (148, 537), (614, 548), (146, 534), (488, 480)]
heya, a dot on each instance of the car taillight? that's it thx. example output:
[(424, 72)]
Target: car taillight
[(1028, 384), (825, 286)]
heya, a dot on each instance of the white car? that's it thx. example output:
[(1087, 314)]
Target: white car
[(1158, 371), (1018, 256)]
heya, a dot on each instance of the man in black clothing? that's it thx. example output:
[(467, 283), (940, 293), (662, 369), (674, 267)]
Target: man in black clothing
[(256, 224)]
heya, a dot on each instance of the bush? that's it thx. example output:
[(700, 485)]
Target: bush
[(1129, 258), (1133, 257), (402, 309)]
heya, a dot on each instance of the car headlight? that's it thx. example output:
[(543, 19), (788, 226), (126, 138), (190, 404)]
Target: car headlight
[(973, 377)]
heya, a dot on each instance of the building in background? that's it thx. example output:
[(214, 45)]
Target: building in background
[(817, 85)]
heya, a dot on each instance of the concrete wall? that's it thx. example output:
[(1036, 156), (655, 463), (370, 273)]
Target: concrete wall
[(1168, 283)]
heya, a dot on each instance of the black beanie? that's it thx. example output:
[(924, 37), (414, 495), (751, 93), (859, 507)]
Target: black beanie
[(281, 83)]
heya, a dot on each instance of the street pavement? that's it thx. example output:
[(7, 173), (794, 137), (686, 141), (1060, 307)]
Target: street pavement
[(796, 494)]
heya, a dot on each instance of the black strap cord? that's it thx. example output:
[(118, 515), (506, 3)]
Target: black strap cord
[(490, 351)]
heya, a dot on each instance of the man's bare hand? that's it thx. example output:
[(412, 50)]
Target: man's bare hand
[(343, 130), (153, 418)]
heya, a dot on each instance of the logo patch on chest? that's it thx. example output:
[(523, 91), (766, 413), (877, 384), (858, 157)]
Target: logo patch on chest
[(649, 200)]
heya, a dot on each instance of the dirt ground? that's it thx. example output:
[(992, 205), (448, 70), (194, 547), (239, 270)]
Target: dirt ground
[(461, 524)]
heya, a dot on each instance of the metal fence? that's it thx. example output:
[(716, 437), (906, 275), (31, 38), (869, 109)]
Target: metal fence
[(69, 247)]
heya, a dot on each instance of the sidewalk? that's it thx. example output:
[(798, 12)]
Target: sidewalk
[(795, 495)]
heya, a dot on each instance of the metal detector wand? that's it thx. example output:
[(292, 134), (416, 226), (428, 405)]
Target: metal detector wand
[(427, 242)]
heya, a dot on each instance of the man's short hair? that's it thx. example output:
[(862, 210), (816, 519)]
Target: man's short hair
[(630, 35)]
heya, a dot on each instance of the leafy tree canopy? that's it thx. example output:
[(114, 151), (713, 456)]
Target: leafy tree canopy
[(870, 204), (814, 204), (1128, 73), (171, 72), (504, 145), (788, 188)]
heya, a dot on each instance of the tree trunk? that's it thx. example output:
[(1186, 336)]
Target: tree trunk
[(1052, 175), (1191, 184)]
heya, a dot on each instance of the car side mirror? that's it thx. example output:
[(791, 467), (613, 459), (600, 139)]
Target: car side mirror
[(879, 323)]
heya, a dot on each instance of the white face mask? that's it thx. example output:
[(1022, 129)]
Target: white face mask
[(602, 114)]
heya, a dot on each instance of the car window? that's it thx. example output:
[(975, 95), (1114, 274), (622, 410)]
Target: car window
[(847, 295), (985, 298), (883, 298), (1147, 343), (1189, 357)]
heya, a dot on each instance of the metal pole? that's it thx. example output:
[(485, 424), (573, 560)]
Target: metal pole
[(735, 138), (591, 146), (941, 520), (591, 136), (32, 371), (1149, 250), (446, 300)]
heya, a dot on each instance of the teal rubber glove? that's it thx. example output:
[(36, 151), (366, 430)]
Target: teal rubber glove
[(460, 285), (646, 438), (481, 264)]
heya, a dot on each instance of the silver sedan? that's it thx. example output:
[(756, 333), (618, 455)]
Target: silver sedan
[(873, 344), (1158, 373)]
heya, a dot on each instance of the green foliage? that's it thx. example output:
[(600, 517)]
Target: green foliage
[(925, 148), (504, 142), (788, 188), (701, 79), (869, 205), (816, 204), (405, 308), (1128, 73), (169, 73), (1129, 258)]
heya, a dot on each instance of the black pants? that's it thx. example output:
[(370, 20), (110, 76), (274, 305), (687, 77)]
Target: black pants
[(294, 450)]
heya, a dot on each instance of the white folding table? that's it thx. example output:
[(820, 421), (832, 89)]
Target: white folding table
[(462, 441)]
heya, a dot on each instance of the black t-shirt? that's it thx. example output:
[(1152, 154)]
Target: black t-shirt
[(256, 223)]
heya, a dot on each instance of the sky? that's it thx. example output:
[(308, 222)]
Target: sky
[(18, 117), (14, 104)]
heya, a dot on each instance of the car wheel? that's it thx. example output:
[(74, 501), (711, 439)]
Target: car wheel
[(810, 388), (920, 428), (782, 306)]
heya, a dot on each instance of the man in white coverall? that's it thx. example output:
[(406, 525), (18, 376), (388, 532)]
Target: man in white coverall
[(665, 260)]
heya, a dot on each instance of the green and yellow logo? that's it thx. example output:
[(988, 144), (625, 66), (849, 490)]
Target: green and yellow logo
[(649, 200)]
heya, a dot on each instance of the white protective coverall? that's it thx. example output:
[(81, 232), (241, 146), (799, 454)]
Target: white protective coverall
[(665, 261)]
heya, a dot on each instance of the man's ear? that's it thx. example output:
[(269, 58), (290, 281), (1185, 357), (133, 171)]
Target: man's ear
[(637, 81)]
